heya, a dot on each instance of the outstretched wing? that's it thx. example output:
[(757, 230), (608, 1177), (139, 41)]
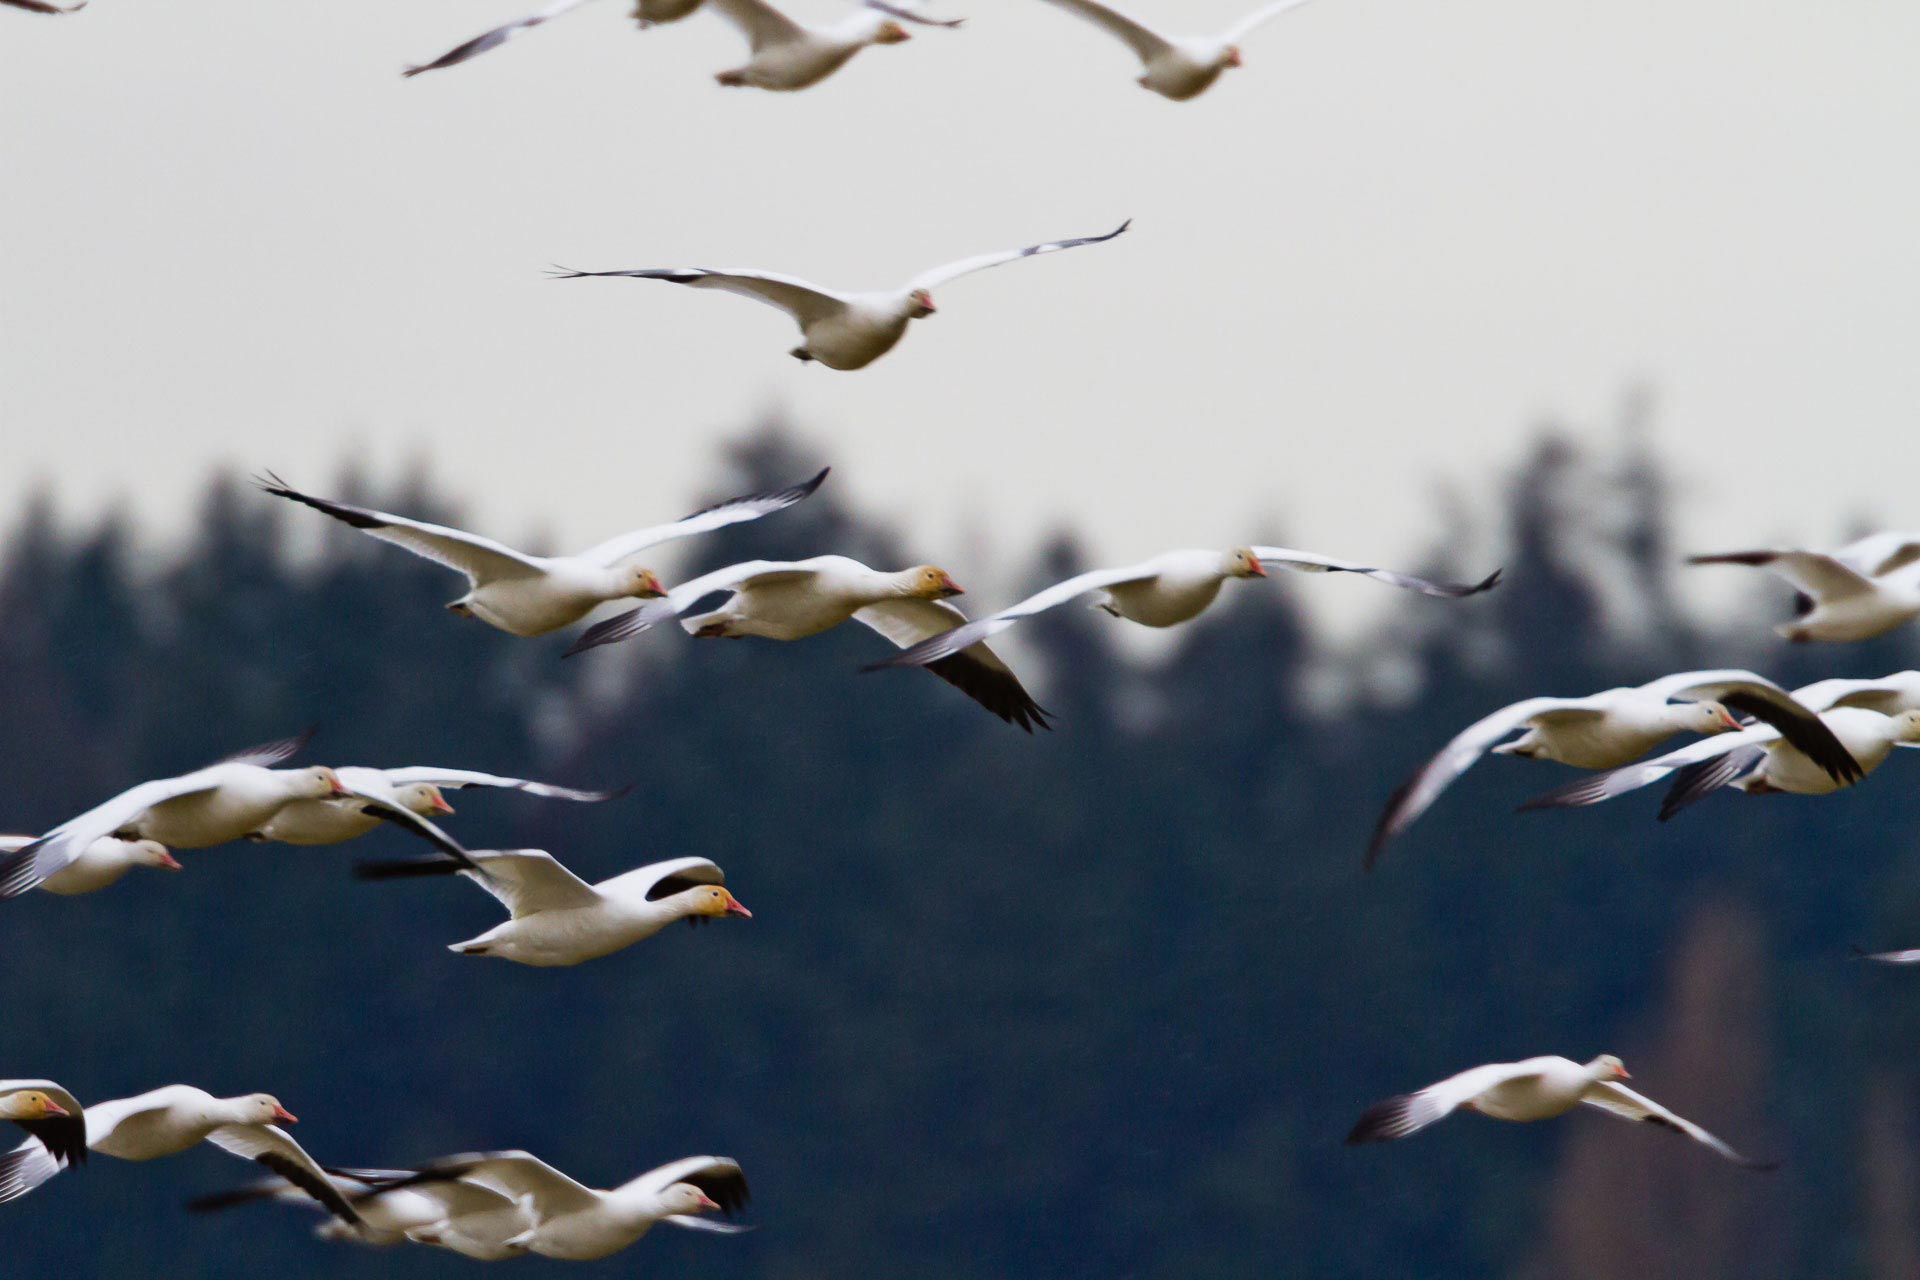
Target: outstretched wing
[(1146, 43), (1698, 781), (514, 1174), (273, 1147), (494, 38), (1878, 554), (1609, 783), (805, 302), (1259, 18), (43, 6), (938, 276), (1313, 562), (378, 806), (1761, 698), (458, 779), (1406, 1114), (1820, 576), (719, 1177), (1419, 791), (664, 879), (909, 11), (27, 866), (1620, 1101), (760, 23), (975, 670), (268, 754), (26, 1167), (734, 510), (683, 597), (956, 639), (525, 881), (480, 559)]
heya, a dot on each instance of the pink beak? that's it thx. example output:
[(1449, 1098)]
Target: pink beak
[(339, 789), (169, 863), (282, 1114), (440, 805), (735, 909), (707, 1201), (1259, 570), (55, 1109)]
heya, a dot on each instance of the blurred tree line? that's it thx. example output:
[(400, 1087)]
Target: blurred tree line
[(1100, 1003)]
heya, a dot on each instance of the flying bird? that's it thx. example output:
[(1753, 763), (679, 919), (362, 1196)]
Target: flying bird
[(788, 55), (529, 595), (167, 1121), (416, 788), (559, 919), (1536, 1089), (790, 600), (447, 1213), (1163, 592), (844, 331), (1855, 593), (1176, 67), (1757, 760), (1607, 729), (100, 864), (51, 1116), (646, 13), (577, 1222)]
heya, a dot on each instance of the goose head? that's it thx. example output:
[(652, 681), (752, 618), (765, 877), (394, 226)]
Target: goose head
[(929, 582), (1242, 563), (1705, 718), (891, 32), (920, 304), (422, 798), (641, 584), (683, 1198), (151, 853), (1608, 1067), (260, 1108), (316, 783), (1230, 57), (712, 900), (30, 1104)]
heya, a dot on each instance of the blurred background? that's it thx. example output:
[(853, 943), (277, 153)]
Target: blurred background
[(1572, 289)]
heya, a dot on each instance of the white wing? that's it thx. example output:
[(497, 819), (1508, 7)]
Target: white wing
[(1757, 696), (663, 879), (1408, 1113), (734, 510), (1620, 1101), (1881, 553), (1910, 956), (1259, 18), (494, 38), (527, 881), (719, 1177), (456, 779), (910, 11), (759, 22), (481, 559), (1610, 783), (273, 1147), (805, 302), (1313, 562), (980, 262), (26, 867), (26, 1167), (1820, 576), (1419, 792), (513, 1174), (975, 670), (1889, 695), (1146, 43), (683, 597), (947, 643)]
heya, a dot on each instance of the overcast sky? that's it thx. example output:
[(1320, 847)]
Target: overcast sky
[(1369, 263)]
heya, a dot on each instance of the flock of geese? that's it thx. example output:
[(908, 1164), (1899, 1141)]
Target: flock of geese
[(1753, 735)]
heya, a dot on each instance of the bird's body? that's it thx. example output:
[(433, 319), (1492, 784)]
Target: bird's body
[(787, 56), (840, 330), (236, 800), (1176, 67), (1854, 593), (100, 864), (559, 919), (1534, 1089)]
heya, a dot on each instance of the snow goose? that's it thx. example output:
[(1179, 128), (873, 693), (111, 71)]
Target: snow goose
[(559, 919), (789, 600), (530, 595), (786, 55), (170, 1119), (1536, 1089), (1176, 67), (100, 864), (51, 1116), (645, 12), (1757, 760), (43, 6), (1163, 592), (842, 331), (1607, 729), (1863, 589), (451, 1214), (576, 1222), (416, 789)]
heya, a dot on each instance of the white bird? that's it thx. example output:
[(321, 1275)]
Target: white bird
[(1176, 67), (1855, 593), (1536, 1089), (224, 801), (842, 331), (43, 6), (1757, 760), (51, 1117), (1609, 728), (577, 1222), (452, 1214), (416, 789), (100, 864), (645, 12), (559, 919), (529, 595), (789, 600), (1163, 592), (788, 55), (170, 1119)]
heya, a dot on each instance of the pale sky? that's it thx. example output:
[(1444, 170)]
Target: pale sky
[(1369, 263)]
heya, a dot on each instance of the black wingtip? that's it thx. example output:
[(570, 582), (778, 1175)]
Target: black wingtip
[(1379, 1121), (1488, 583), (406, 868)]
